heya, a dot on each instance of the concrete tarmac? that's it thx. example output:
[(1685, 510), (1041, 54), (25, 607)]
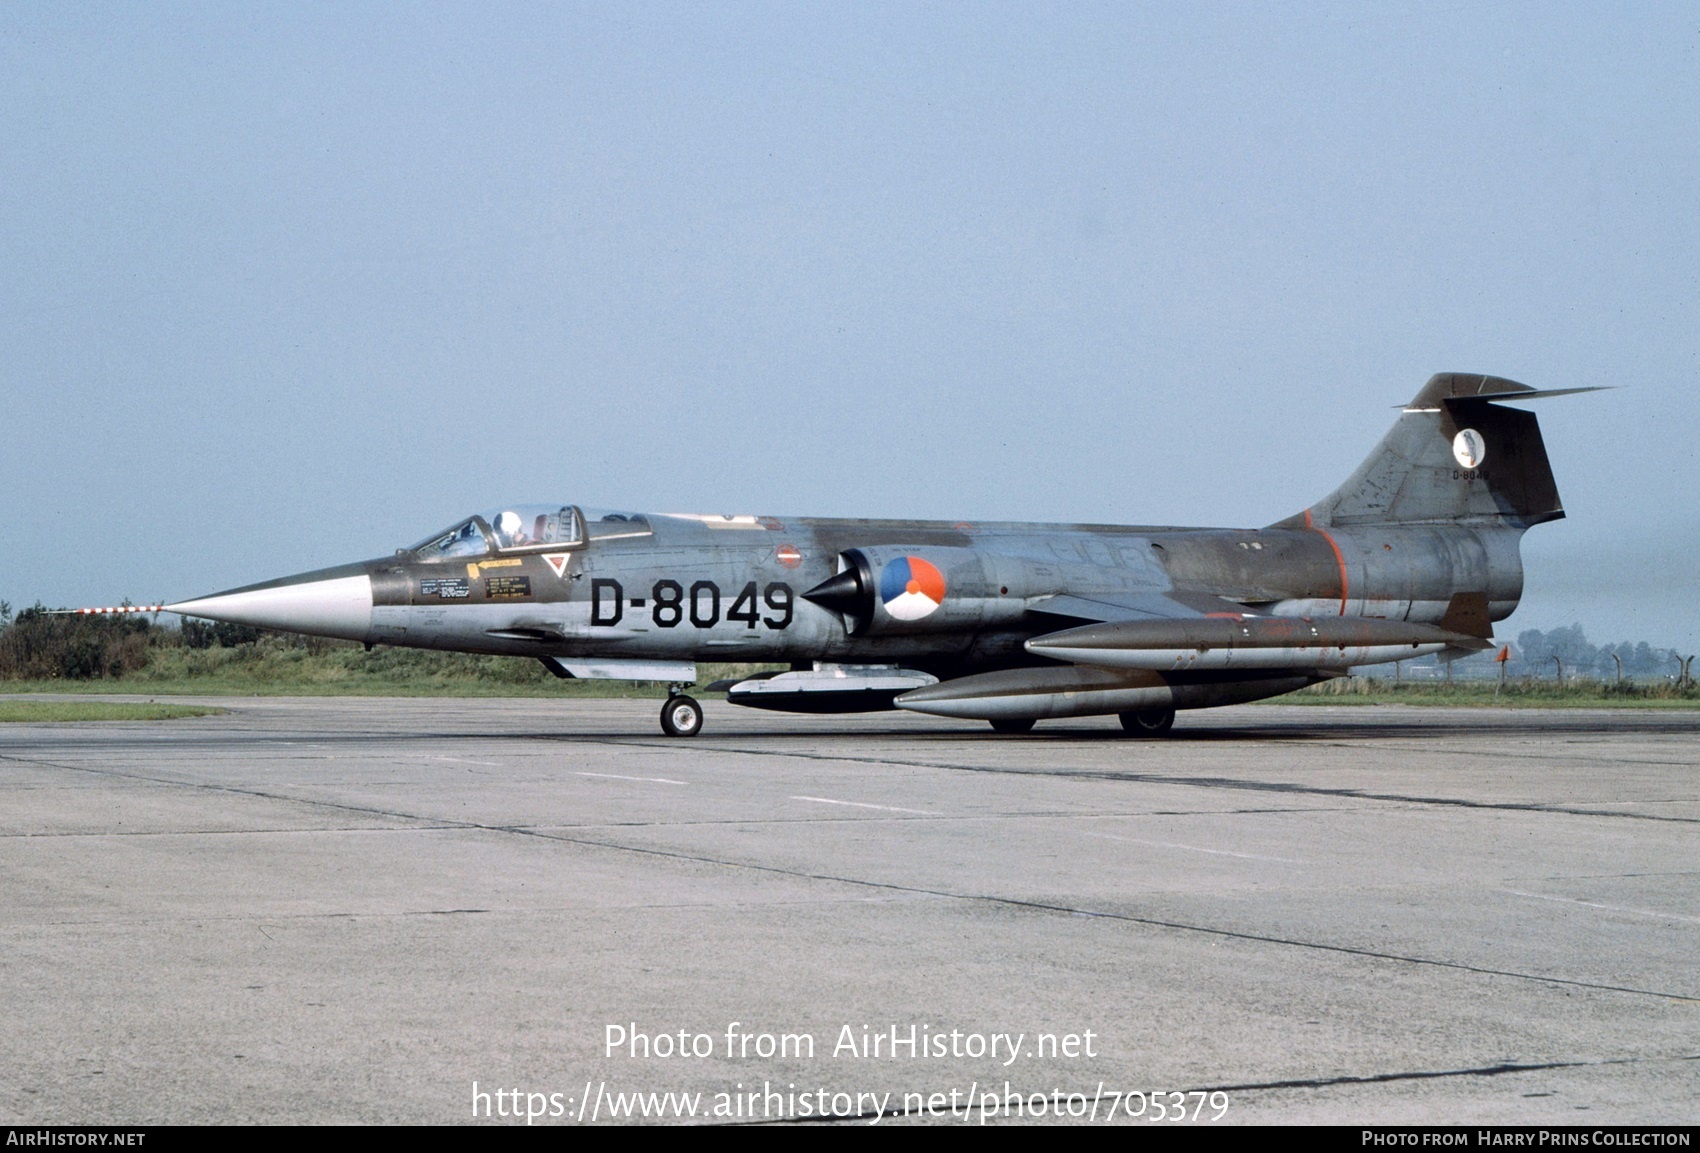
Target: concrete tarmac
[(440, 911)]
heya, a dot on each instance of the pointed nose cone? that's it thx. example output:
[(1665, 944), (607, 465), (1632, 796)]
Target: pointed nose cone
[(328, 603)]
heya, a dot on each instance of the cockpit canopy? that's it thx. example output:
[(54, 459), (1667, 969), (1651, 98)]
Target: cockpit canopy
[(529, 528)]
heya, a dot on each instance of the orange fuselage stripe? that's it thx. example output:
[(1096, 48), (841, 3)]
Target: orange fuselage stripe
[(1339, 558)]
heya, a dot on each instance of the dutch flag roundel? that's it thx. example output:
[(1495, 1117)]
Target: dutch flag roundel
[(911, 588)]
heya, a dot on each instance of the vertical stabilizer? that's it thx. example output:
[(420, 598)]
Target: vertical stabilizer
[(1454, 455)]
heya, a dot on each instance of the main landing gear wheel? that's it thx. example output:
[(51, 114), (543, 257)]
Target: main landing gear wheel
[(1148, 722), (1012, 727), (681, 717)]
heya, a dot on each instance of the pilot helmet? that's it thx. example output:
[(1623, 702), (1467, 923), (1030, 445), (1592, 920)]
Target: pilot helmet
[(507, 525)]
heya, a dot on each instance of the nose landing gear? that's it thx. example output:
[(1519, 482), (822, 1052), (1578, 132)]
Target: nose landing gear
[(681, 716)]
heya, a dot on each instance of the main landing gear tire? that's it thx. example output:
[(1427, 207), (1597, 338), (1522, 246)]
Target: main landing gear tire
[(1012, 727), (1148, 722), (681, 717)]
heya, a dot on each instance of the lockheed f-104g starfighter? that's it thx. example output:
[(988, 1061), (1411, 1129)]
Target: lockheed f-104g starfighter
[(1416, 553)]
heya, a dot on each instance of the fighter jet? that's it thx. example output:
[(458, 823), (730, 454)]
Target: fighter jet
[(1416, 553)]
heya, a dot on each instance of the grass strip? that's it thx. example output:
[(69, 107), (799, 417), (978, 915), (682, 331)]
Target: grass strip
[(26, 711)]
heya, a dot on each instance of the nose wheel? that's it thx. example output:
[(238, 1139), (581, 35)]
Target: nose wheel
[(681, 716)]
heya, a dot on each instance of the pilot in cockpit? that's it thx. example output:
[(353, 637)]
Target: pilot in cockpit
[(510, 530)]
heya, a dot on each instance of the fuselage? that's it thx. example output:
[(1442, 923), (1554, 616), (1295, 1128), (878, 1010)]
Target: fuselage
[(708, 588), (1415, 553)]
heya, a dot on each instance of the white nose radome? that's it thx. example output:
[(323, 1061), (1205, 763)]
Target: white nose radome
[(338, 607)]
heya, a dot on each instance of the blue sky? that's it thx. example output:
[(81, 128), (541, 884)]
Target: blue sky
[(293, 285)]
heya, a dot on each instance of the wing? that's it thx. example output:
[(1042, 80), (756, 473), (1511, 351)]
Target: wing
[(1136, 606)]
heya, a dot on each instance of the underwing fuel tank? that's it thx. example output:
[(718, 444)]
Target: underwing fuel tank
[(827, 688), (1038, 694), (1248, 642)]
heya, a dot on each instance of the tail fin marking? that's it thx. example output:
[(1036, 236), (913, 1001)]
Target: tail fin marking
[(1453, 455)]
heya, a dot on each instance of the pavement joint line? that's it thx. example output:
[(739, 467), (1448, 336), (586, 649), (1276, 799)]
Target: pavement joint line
[(1486, 1070), (1558, 877), (1009, 901), (229, 832), (576, 912), (1198, 782), (1054, 814), (241, 792), (1434, 1074), (987, 898), (1298, 1083), (1128, 918), (440, 823)]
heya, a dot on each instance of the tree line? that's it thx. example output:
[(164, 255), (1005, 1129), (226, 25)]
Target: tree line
[(39, 644), (1567, 651)]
